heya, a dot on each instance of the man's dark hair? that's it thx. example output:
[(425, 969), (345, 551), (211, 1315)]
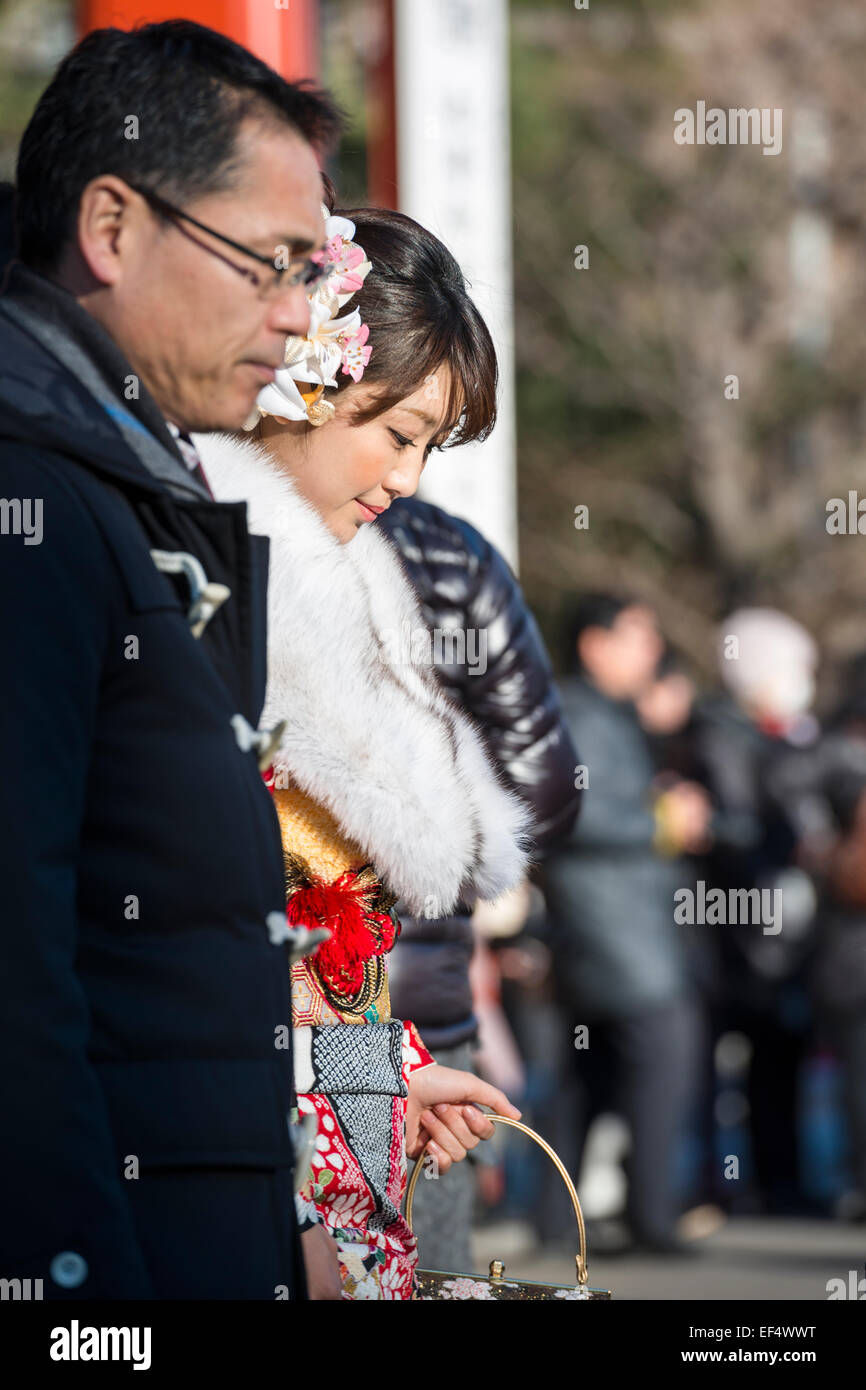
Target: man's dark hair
[(7, 225), (189, 89), (591, 610)]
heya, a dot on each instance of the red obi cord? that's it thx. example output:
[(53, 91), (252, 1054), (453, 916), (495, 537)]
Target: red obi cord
[(357, 932)]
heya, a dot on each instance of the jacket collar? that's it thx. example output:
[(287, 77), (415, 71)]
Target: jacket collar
[(82, 348)]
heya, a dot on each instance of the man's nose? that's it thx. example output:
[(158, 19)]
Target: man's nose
[(290, 313)]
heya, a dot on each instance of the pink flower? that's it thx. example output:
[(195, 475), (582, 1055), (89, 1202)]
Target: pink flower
[(344, 256), (466, 1288), (355, 354)]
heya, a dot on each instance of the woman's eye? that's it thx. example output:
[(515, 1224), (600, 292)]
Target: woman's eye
[(401, 439)]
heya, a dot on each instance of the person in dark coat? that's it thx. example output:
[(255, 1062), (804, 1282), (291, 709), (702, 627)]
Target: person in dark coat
[(491, 658), (620, 958), (838, 970), (147, 1070), (759, 746)]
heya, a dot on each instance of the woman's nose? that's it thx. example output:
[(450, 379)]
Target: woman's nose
[(404, 479)]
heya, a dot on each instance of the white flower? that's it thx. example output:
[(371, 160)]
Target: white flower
[(346, 1209), (367, 1290), (281, 397), (392, 1280), (314, 360)]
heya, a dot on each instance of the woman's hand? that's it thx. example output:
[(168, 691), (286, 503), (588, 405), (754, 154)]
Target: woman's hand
[(442, 1109), (321, 1264)]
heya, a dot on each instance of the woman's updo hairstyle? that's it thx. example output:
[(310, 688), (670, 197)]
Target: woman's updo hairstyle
[(420, 317)]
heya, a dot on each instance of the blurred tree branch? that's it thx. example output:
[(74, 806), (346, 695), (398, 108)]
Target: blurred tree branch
[(695, 500)]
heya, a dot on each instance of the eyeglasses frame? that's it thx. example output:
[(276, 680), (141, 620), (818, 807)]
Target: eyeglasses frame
[(162, 205)]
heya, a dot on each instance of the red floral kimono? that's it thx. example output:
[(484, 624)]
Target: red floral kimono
[(352, 1060)]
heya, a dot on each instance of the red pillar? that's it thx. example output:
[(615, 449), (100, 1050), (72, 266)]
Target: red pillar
[(285, 38), (381, 101)]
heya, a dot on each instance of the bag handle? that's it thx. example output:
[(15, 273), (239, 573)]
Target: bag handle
[(580, 1258)]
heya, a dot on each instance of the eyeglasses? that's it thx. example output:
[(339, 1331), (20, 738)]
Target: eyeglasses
[(302, 270)]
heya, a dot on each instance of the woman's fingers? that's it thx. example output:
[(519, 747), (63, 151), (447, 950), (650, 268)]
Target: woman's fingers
[(456, 1117), (479, 1123), (415, 1148), (441, 1132), (482, 1093), (443, 1161)]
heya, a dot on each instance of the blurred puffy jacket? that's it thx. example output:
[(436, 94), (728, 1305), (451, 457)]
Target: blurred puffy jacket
[(491, 658)]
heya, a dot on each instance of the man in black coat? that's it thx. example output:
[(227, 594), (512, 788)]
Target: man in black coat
[(146, 1028)]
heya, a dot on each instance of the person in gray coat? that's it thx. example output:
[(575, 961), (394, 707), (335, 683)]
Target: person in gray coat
[(620, 961)]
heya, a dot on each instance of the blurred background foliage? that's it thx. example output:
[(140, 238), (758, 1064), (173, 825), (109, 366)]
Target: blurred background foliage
[(34, 35), (704, 262)]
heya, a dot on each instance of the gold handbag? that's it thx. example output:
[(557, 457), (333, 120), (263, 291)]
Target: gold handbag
[(431, 1285)]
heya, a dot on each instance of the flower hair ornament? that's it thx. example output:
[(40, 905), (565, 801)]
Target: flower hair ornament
[(333, 341)]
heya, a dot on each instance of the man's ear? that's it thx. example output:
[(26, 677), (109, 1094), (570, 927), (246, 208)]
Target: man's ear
[(587, 645), (110, 218)]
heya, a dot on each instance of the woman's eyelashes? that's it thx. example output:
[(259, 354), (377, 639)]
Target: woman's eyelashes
[(402, 442)]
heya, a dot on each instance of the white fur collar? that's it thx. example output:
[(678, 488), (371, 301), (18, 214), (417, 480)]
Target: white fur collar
[(369, 734)]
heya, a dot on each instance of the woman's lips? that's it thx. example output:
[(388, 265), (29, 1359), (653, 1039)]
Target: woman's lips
[(369, 513)]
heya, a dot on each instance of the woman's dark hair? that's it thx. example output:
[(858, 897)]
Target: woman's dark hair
[(421, 317), (188, 88)]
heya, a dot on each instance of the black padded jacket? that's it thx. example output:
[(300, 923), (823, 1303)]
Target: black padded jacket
[(491, 658)]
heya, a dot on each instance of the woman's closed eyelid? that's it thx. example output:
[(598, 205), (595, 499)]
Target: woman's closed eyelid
[(402, 440)]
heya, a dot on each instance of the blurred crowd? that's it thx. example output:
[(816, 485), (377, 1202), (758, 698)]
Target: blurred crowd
[(687, 971)]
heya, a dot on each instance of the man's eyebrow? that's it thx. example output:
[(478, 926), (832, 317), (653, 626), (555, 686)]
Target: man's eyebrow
[(297, 245)]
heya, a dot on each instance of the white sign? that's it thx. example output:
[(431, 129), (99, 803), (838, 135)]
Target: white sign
[(453, 152)]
